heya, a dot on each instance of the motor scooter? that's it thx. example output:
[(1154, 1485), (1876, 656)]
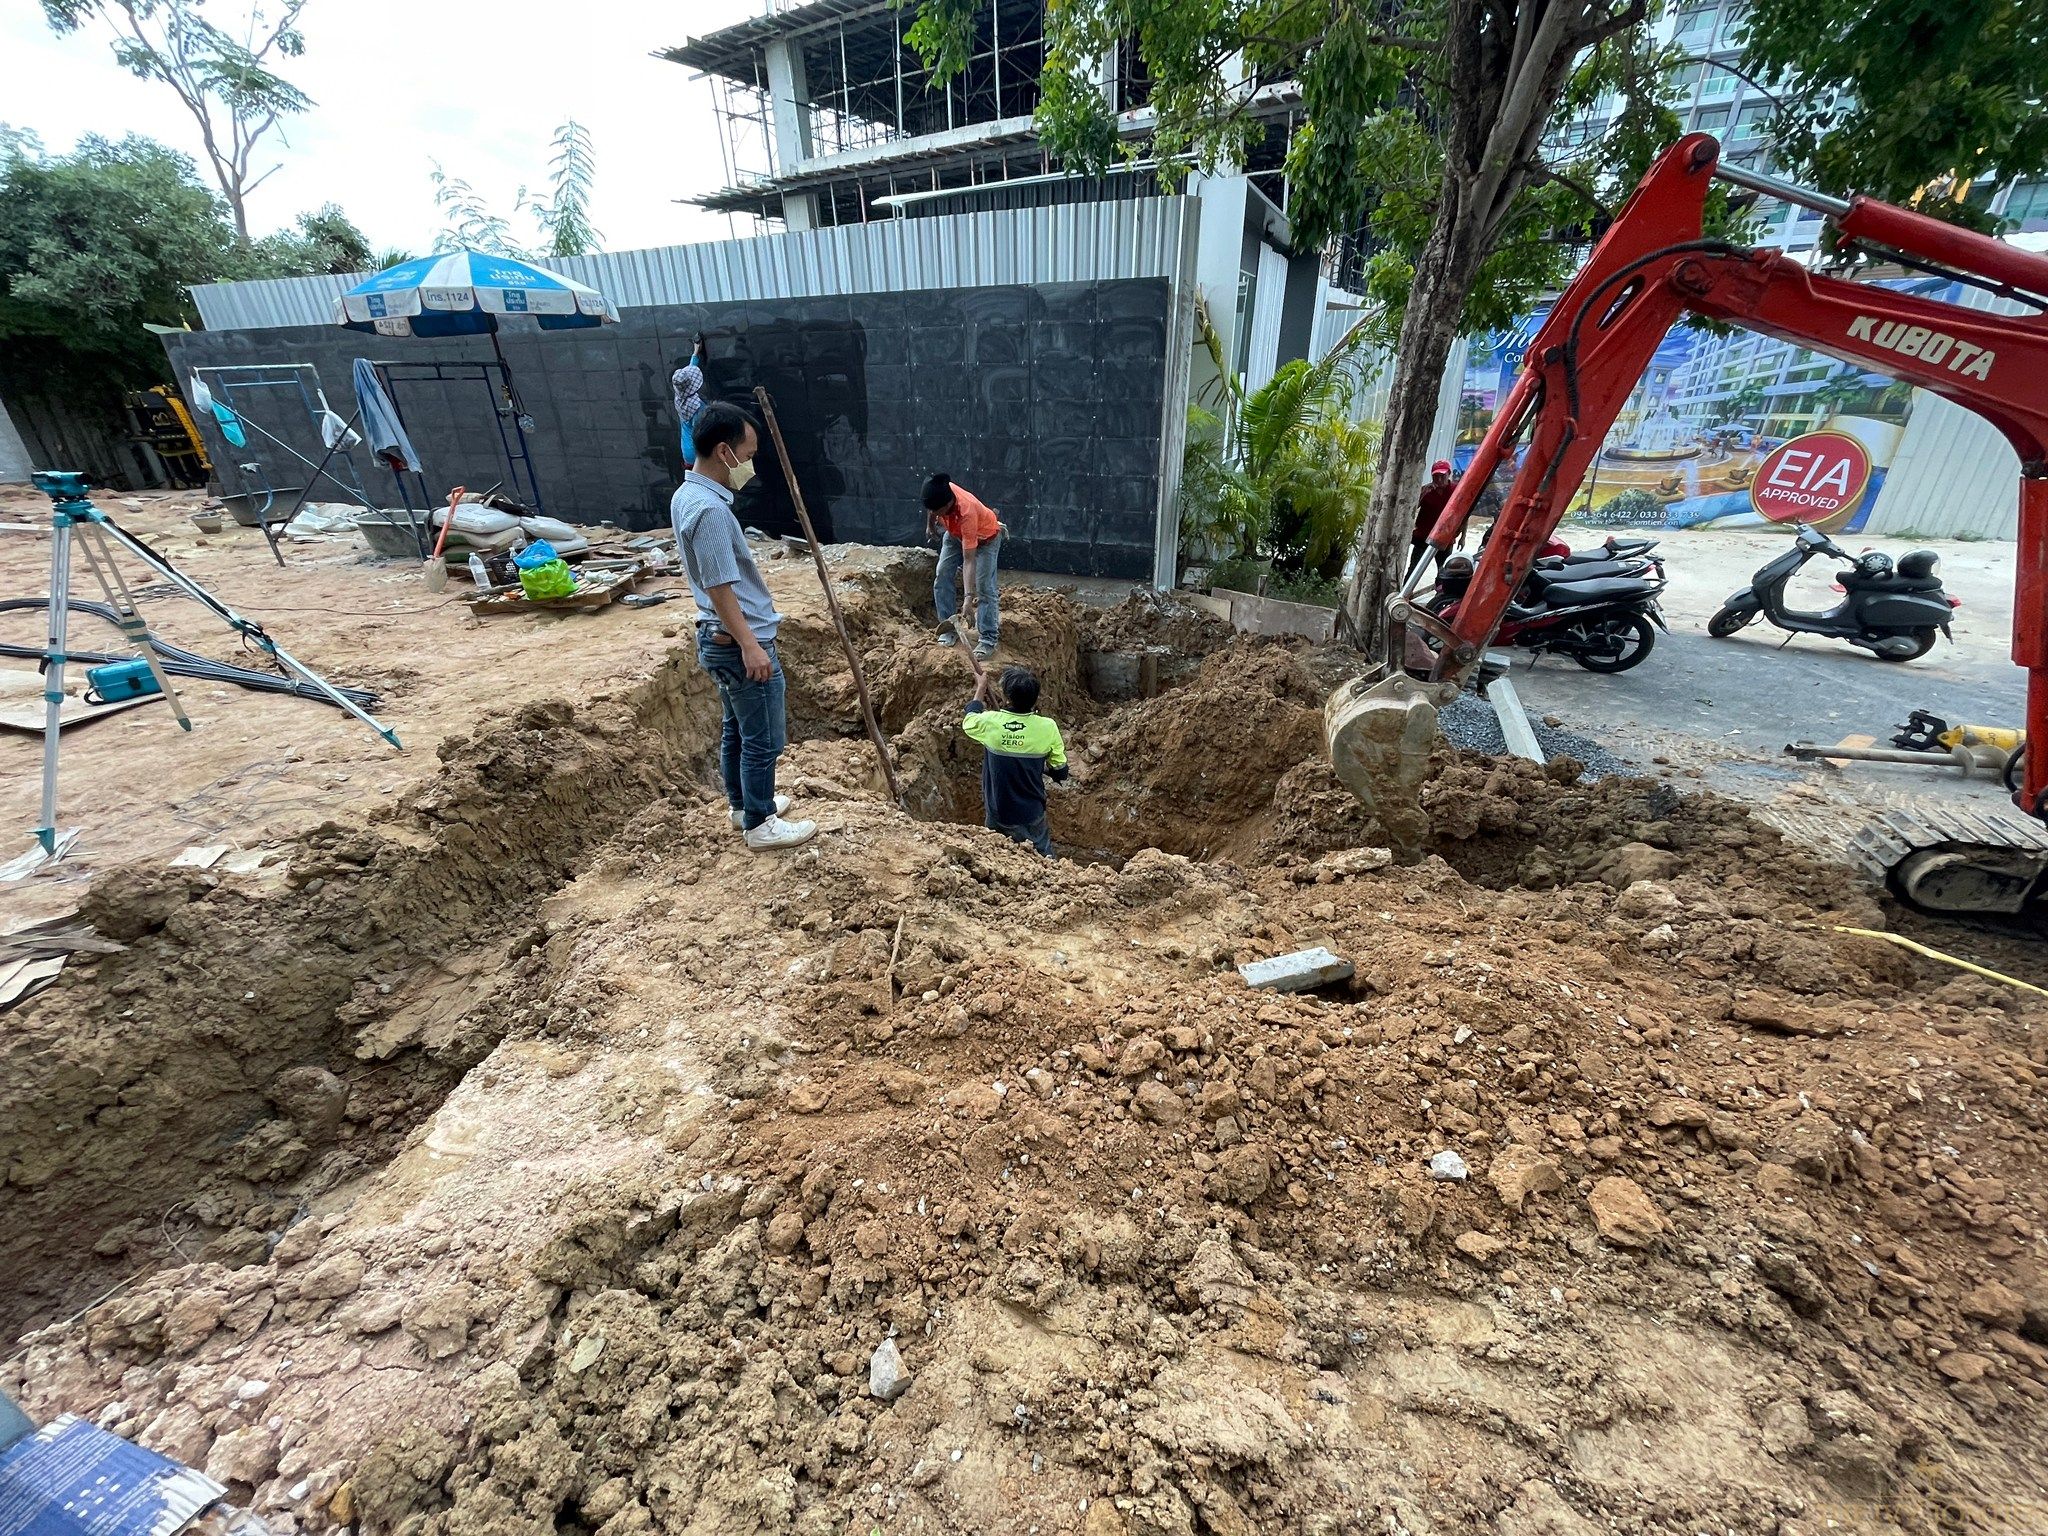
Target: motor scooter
[(1604, 616), (1894, 611)]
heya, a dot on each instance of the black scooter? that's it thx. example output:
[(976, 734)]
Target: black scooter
[(1892, 611), (1604, 615)]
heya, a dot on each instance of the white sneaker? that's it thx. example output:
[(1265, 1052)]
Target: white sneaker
[(777, 833), (739, 818)]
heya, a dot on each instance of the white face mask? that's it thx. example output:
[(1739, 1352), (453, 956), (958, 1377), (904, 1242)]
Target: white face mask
[(742, 473)]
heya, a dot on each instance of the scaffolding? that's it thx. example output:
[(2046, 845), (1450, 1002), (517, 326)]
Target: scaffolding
[(861, 87), (746, 139), (866, 86), (867, 132)]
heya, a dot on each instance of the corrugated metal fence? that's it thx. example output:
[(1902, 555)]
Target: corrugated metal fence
[(1336, 314), (1955, 475), (1070, 243)]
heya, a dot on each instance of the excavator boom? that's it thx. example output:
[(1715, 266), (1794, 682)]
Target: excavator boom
[(1654, 266)]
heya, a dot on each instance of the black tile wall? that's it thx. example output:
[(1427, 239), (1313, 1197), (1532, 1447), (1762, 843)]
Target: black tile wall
[(1045, 401)]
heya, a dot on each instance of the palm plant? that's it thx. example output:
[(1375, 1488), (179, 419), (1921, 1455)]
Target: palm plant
[(1281, 472), (564, 215)]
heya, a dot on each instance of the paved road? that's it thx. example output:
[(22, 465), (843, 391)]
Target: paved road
[(1728, 707)]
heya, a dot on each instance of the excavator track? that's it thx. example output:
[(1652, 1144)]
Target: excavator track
[(1956, 862)]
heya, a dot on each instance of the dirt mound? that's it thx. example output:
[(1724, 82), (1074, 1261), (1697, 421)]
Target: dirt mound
[(1158, 620), (144, 1100), (1189, 771), (911, 1181), (909, 673), (1742, 1224)]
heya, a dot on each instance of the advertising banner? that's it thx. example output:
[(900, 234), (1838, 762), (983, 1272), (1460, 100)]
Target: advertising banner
[(1708, 418)]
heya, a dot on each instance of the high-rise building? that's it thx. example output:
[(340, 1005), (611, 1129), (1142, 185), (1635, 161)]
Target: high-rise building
[(1741, 386)]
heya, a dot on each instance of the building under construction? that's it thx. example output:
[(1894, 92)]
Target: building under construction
[(831, 118)]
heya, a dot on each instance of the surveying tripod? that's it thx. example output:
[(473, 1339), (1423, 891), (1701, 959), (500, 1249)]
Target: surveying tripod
[(97, 534)]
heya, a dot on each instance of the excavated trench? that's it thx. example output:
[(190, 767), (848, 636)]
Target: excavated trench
[(1151, 1244), (252, 1051)]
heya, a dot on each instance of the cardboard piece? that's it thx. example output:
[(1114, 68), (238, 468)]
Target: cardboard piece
[(22, 706)]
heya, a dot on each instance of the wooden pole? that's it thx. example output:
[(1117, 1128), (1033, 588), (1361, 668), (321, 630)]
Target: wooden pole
[(803, 516)]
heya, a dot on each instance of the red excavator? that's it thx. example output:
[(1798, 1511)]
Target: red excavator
[(1654, 266)]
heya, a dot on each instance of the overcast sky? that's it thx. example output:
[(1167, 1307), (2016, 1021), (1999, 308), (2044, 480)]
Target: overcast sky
[(398, 84)]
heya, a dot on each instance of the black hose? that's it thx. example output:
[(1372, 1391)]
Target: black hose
[(181, 663)]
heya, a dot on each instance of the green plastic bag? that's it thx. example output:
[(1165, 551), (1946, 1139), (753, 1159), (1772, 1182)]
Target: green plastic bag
[(551, 580)]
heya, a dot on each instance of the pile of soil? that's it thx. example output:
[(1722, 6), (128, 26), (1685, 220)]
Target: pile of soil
[(911, 1181)]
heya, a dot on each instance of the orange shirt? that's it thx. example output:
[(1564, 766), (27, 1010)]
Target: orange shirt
[(970, 521)]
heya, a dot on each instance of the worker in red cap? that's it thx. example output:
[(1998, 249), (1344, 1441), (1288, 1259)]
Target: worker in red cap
[(1435, 496)]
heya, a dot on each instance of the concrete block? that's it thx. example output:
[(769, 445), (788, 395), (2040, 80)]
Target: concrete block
[(1254, 615), (1298, 972), (1515, 728), (1118, 675)]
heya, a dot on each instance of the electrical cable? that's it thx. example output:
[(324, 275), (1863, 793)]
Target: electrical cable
[(179, 662)]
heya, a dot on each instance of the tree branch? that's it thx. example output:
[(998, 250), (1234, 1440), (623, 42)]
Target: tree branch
[(1628, 16), (1526, 23), (1743, 75), (1525, 94), (1542, 172), (284, 22)]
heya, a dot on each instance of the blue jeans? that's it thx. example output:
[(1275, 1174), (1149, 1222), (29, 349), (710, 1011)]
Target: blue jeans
[(1038, 835), (756, 730), (946, 585)]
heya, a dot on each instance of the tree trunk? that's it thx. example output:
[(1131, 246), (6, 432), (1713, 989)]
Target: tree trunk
[(1429, 328)]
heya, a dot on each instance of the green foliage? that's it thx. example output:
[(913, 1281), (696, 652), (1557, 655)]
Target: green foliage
[(943, 33), (1283, 471), (1747, 401), (562, 217), (1891, 97), (1261, 578), (467, 220), (323, 241), (226, 81), (97, 244), (1391, 179)]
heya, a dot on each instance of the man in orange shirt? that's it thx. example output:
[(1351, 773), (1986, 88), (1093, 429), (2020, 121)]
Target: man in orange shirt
[(972, 538)]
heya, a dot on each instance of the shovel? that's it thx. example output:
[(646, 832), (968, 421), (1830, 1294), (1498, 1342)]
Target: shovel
[(435, 568)]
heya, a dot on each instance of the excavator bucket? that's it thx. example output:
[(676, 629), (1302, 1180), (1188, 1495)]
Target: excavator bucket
[(1379, 735)]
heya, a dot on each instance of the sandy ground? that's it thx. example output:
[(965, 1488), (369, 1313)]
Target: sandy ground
[(259, 769), (256, 769)]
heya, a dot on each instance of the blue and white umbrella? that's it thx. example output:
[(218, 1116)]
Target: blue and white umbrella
[(462, 293)]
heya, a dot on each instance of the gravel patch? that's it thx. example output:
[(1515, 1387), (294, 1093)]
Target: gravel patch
[(1468, 721)]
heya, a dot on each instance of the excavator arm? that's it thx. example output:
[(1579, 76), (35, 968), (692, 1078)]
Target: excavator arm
[(1654, 266)]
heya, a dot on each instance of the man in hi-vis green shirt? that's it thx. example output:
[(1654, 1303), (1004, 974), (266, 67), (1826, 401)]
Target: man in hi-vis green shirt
[(1021, 748)]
